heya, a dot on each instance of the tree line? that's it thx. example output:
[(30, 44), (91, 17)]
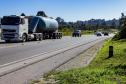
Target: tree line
[(92, 24)]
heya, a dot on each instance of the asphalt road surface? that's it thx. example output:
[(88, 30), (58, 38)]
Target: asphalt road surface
[(10, 52)]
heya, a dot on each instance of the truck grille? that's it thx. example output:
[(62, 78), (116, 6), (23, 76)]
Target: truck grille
[(9, 35), (8, 30)]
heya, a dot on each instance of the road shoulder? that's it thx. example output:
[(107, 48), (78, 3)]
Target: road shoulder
[(83, 59), (79, 61)]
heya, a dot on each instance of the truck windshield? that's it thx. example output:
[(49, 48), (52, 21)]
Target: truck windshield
[(10, 21)]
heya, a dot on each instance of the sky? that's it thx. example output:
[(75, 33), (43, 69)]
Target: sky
[(69, 10)]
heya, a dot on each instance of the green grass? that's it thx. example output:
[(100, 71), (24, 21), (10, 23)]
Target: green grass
[(102, 70)]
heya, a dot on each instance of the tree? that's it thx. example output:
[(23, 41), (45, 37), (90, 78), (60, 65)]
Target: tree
[(41, 13), (122, 33), (113, 25), (23, 14), (59, 20)]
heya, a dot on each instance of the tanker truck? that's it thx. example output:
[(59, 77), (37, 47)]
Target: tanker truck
[(27, 28)]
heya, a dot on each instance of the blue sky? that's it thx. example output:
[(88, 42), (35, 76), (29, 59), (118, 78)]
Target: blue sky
[(70, 10)]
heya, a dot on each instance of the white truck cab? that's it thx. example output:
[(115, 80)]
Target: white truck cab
[(27, 28), (13, 28)]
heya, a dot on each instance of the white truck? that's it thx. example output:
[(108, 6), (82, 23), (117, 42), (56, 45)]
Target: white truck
[(26, 28)]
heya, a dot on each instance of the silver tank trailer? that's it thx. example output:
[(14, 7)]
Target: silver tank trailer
[(39, 24)]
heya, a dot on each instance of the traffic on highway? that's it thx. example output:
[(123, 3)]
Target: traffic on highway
[(28, 40), (17, 51)]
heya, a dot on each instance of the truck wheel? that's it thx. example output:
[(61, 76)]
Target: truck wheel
[(50, 36), (54, 36), (24, 38), (40, 37), (37, 37), (60, 35)]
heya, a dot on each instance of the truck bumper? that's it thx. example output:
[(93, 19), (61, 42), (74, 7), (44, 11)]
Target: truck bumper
[(11, 38)]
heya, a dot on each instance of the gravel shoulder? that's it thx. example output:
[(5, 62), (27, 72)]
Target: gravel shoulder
[(81, 60)]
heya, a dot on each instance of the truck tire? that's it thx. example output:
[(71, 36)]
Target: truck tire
[(54, 35), (37, 37), (40, 37), (60, 35), (24, 38), (50, 36)]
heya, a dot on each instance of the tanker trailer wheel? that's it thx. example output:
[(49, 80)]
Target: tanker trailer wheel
[(24, 38), (40, 37), (36, 37), (60, 35), (54, 35)]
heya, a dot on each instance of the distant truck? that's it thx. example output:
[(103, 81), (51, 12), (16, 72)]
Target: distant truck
[(76, 33), (27, 28)]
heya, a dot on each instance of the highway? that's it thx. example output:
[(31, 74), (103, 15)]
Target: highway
[(21, 62), (10, 52)]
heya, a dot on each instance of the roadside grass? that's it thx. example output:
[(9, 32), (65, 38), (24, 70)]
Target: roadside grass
[(102, 70)]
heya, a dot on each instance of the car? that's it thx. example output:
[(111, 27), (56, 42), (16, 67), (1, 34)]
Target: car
[(76, 33), (98, 34), (106, 34)]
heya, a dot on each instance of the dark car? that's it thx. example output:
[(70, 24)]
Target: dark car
[(106, 34), (76, 33), (98, 33)]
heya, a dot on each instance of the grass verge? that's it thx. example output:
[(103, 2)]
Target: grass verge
[(102, 70)]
